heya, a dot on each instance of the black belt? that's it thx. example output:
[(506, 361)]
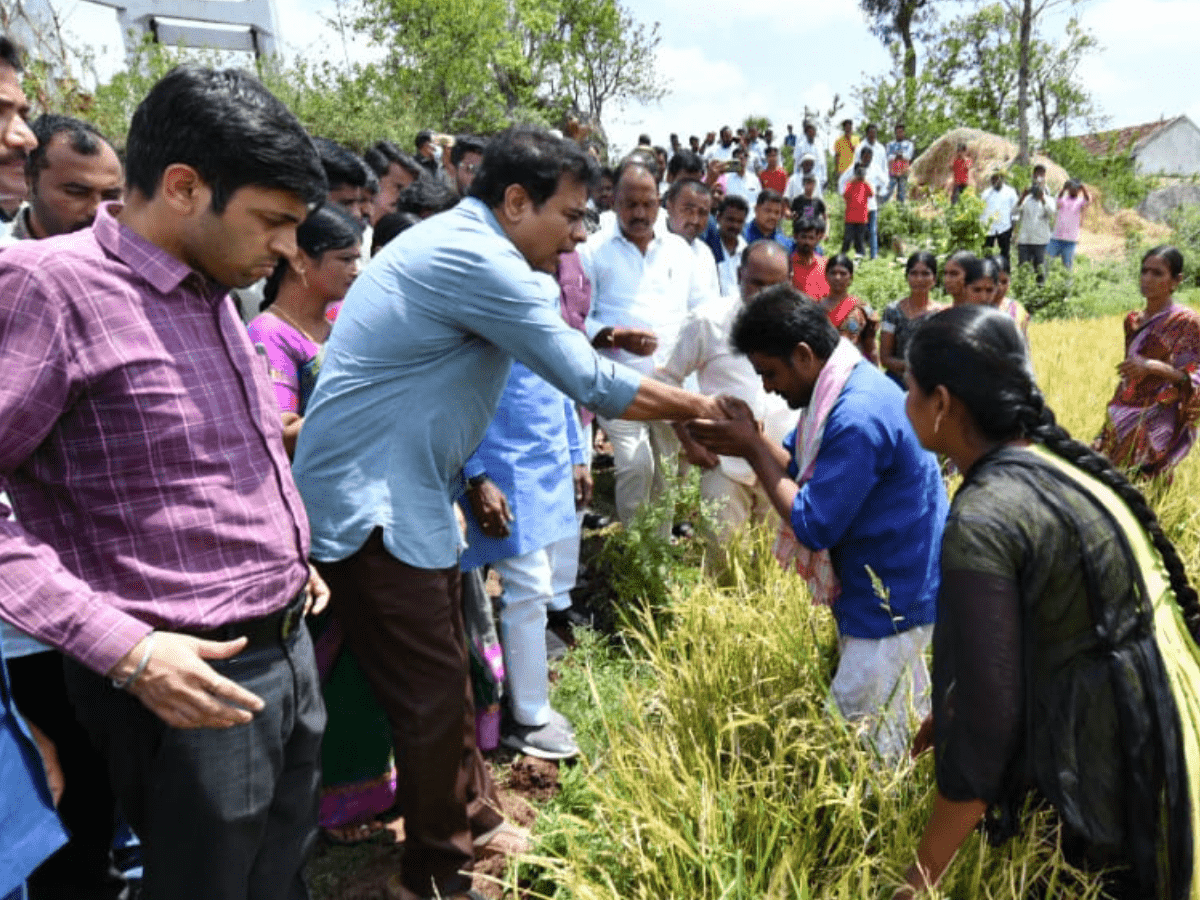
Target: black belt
[(265, 631)]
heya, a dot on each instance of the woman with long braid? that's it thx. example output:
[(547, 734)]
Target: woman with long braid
[(1065, 658)]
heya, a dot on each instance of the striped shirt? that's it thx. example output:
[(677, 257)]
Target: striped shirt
[(142, 447)]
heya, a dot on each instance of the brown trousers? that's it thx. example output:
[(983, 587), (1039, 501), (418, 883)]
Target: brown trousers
[(405, 627)]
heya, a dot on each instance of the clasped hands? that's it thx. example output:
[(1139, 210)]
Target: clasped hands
[(731, 431)]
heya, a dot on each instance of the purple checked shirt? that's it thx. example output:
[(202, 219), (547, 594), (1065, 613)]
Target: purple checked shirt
[(142, 448)]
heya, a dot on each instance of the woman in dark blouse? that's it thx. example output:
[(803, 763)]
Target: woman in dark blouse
[(1064, 650)]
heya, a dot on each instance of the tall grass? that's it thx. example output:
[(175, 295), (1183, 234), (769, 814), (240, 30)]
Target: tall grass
[(714, 767)]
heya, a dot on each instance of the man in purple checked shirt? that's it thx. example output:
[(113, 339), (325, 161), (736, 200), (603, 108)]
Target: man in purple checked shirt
[(160, 541)]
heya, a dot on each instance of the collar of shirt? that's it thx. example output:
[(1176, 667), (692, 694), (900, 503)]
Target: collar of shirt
[(164, 272)]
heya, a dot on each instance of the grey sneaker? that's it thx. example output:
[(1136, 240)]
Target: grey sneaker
[(549, 741)]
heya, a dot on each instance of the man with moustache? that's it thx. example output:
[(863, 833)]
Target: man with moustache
[(688, 204), (71, 172), (643, 285), (16, 140)]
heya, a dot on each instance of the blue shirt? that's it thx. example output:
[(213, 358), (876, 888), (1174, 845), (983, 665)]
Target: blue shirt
[(29, 827), (753, 233), (876, 498), (413, 373), (528, 451)]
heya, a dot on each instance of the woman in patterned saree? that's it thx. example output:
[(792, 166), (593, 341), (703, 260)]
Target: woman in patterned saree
[(1151, 421)]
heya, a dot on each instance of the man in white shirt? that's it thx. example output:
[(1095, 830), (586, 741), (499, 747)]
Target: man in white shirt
[(740, 181), (808, 144), (756, 150), (688, 203), (806, 166), (723, 150), (703, 348), (643, 285), (999, 201)]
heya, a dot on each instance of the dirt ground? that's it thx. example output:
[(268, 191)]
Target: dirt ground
[(362, 871)]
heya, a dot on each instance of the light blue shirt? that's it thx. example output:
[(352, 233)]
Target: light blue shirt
[(413, 374), (528, 451)]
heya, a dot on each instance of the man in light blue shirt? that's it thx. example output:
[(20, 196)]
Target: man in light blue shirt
[(413, 374)]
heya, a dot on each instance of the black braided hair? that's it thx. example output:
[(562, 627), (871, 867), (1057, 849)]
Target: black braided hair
[(979, 356)]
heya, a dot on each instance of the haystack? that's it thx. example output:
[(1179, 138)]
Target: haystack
[(989, 153)]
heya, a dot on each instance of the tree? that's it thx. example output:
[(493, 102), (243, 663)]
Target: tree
[(482, 65), (1027, 13), (970, 80), (1059, 96), (890, 19)]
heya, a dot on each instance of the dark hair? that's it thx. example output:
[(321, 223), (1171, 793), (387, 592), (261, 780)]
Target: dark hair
[(807, 223), (685, 161), (607, 172), (464, 144), (768, 195), (328, 227), (871, 125), (426, 196), (680, 184), (987, 268), (10, 53), (779, 318), (922, 257), (424, 136), (389, 226), (840, 259), (380, 156), (82, 137), (342, 167), (1173, 257), (643, 140), (733, 200), (1002, 264), (979, 356), (534, 159), (971, 265), (226, 126)]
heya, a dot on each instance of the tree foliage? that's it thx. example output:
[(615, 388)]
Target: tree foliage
[(479, 66), (354, 106), (970, 78), (892, 20)]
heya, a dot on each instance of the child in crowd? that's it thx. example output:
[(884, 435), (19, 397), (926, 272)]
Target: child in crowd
[(857, 194), (1006, 304), (962, 173)]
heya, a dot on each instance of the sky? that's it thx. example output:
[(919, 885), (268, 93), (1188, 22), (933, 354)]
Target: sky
[(774, 59)]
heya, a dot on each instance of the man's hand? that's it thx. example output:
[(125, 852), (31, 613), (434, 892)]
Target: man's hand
[(316, 593), (582, 477), (54, 773), (638, 341), (291, 432), (490, 507), (693, 452), (923, 740), (727, 437), (735, 408), (180, 688)]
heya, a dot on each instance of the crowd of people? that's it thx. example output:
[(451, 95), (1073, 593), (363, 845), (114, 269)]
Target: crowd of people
[(274, 407)]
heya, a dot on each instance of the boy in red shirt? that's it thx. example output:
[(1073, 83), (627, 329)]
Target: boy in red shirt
[(773, 176), (858, 192), (962, 173)]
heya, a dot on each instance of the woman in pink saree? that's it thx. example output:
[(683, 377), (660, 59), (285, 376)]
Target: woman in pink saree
[(1152, 416)]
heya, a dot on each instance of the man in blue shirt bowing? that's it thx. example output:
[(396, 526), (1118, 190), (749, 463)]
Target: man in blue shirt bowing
[(865, 502), (412, 376)]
